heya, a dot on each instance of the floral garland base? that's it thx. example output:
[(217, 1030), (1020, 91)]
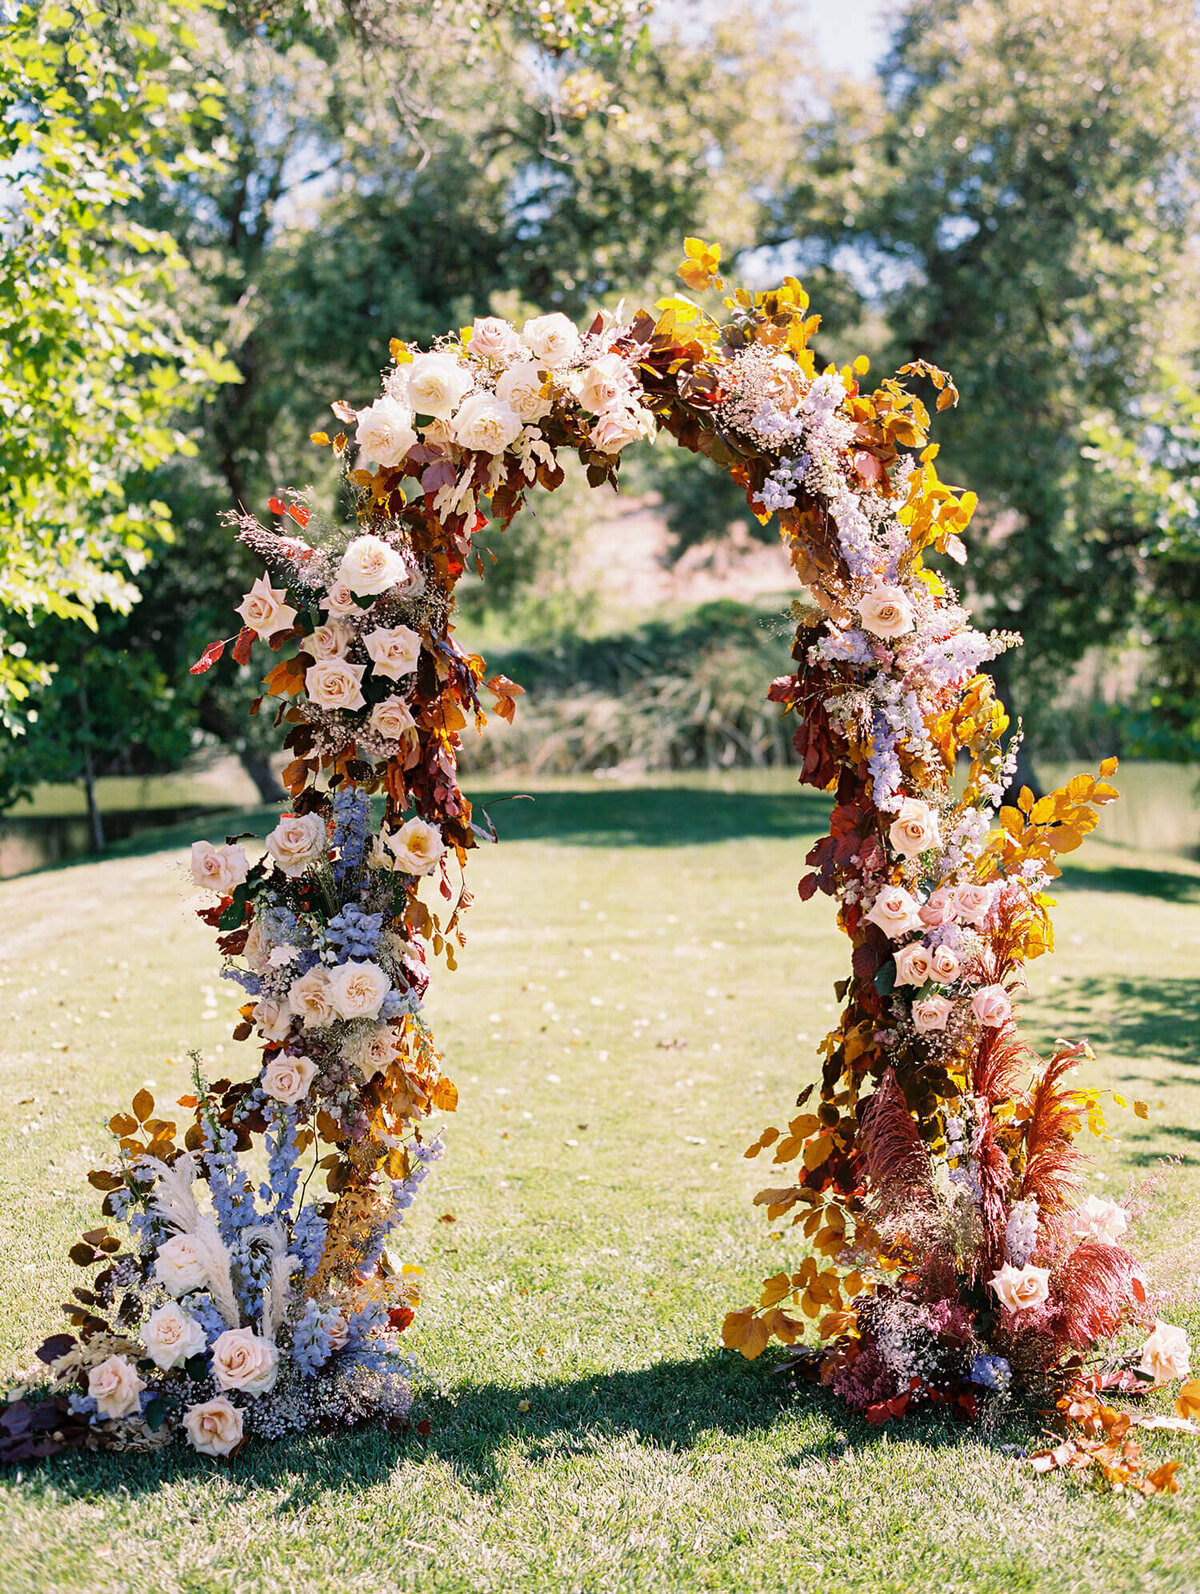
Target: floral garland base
[(935, 1173)]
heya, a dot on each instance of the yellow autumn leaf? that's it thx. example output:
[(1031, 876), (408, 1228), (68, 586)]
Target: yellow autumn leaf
[(774, 1289), (1141, 1110), (1187, 1402), (745, 1331)]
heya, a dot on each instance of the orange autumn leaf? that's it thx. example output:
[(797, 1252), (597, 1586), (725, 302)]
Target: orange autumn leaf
[(1187, 1402), (745, 1331), (286, 679), (444, 1094)]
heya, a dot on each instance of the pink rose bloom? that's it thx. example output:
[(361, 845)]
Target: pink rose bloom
[(886, 611), (914, 964), (265, 609), (931, 1014), (973, 903), (939, 909), (945, 964), (895, 912), (991, 1005), (867, 466), (914, 829), (1022, 1289)]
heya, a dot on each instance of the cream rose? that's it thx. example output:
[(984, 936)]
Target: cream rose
[(273, 1018), (493, 338), (257, 950), (417, 847), (115, 1386), (552, 339), (242, 1360), (1167, 1353), (178, 1267), (339, 600), (1097, 1218), (215, 1428), (972, 903), (171, 1336), (886, 611), (604, 384), (520, 387), (939, 909), (619, 426), (991, 1006), (218, 869), (335, 683), (437, 384), (372, 1050), (309, 997), (370, 566), (339, 1333), (486, 424), (391, 718), (287, 1079), (296, 841), (1022, 1289), (385, 433), (357, 989), (265, 609), (393, 650), (914, 829), (914, 964), (327, 641), (931, 1014), (945, 964), (895, 912)]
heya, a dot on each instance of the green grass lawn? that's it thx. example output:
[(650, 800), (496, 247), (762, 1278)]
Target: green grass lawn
[(642, 992)]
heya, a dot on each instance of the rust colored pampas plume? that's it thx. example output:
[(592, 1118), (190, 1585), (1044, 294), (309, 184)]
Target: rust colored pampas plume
[(894, 1158), (1052, 1160)]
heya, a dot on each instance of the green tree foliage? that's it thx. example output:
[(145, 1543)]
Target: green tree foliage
[(98, 366), (1020, 188)]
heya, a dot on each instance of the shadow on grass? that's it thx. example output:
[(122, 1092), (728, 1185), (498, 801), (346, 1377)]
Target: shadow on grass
[(672, 1405), (1165, 885), (654, 816), (1139, 1016)]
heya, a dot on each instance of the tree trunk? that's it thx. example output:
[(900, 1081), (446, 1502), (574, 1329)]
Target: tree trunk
[(95, 819), (256, 764)]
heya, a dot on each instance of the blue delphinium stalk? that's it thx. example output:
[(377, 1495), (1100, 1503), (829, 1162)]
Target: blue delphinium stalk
[(311, 1344), (308, 1238), (354, 933), (233, 1204), (351, 827), (278, 1190)]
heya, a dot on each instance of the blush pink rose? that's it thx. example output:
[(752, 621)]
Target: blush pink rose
[(931, 1014), (973, 903), (914, 964), (991, 1006)]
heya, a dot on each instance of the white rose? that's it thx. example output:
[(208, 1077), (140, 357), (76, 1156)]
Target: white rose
[(391, 719), (296, 841), (339, 600), (273, 1018), (214, 1428), (265, 610), (914, 829), (328, 641), (520, 387), (486, 424), (357, 989), (895, 912), (385, 433), (619, 426), (335, 683), (287, 1079), (171, 1336), (244, 1361), (931, 1014), (309, 997), (945, 964), (1166, 1354), (393, 650), (604, 384), (370, 565), (886, 611), (372, 1050), (436, 384), (417, 847), (914, 964), (552, 339), (493, 338), (973, 903), (991, 1006), (1022, 1289), (178, 1267), (115, 1386), (1098, 1218), (218, 869)]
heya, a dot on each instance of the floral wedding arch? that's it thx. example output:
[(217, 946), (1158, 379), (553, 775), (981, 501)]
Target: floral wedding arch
[(934, 1169)]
